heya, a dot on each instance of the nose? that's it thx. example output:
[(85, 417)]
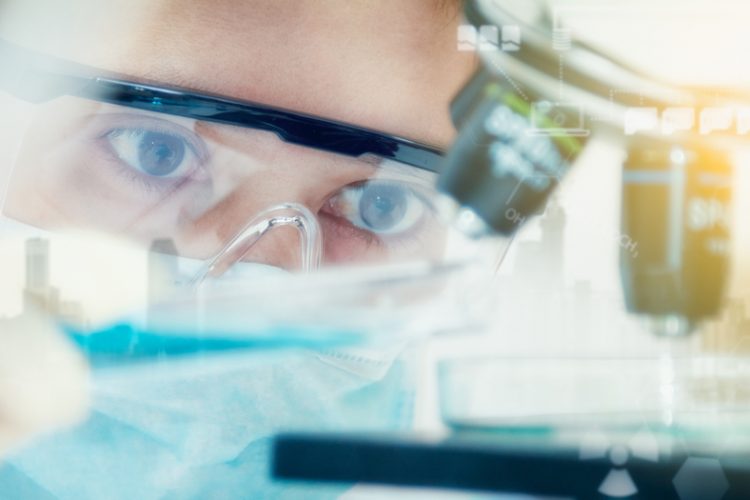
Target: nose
[(275, 237)]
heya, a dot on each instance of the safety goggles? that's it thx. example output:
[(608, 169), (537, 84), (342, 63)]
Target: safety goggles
[(214, 178)]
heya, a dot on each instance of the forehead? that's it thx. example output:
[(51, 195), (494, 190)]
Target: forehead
[(387, 64)]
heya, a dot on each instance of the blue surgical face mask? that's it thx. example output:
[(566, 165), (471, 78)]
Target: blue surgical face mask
[(201, 427), (151, 437)]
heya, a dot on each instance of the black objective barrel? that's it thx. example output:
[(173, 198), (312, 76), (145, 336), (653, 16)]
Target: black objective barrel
[(511, 151), (674, 249)]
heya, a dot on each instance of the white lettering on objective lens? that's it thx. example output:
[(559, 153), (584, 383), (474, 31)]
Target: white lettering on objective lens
[(706, 213)]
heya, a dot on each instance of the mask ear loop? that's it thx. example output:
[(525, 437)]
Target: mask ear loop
[(286, 214)]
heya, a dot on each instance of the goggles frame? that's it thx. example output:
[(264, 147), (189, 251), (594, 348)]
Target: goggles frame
[(36, 77)]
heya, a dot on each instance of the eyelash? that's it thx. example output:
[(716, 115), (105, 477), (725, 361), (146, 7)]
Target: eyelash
[(156, 185), (407, 240), (147, 183)]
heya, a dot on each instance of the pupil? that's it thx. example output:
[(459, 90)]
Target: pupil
[(160, 154), (382, 207)]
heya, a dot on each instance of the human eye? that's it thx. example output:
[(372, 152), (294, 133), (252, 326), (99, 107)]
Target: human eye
[(382, 208), (155, 151)]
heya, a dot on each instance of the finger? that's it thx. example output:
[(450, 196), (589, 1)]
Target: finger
[(43, 380)]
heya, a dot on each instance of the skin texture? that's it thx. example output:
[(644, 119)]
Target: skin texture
[(390, 65), (43, 382), (387, 65)]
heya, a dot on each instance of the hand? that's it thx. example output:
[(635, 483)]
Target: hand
[(43, 381)]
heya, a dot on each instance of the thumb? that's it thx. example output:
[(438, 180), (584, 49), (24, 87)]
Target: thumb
[(43, 380)]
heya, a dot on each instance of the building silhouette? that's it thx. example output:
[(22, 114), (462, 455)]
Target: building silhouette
[(163, 277), (39, 294), (730, 333), (37, 265), (558, 318), (541, 262), (552, 243)]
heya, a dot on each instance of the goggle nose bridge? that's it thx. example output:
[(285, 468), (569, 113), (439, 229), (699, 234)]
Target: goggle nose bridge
[(286, 214)]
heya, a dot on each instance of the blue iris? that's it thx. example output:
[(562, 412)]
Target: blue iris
[(383, 206), (160, 154)]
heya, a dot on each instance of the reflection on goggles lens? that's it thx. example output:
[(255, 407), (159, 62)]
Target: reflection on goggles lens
[(153, 176)]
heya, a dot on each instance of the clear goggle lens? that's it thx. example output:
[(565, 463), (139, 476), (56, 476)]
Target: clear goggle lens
[(220, 193)]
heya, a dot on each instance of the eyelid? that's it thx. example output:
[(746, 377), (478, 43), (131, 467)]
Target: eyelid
[(109, 122), (425, 206), (415, 190), (395, 170), (417, 187)]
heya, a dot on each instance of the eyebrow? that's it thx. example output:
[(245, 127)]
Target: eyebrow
[(38, 77)]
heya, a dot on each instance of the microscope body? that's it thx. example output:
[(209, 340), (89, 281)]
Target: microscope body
[(676, 198), (676, 204)]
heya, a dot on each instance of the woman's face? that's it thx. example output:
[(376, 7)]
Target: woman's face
[(388, 65)]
